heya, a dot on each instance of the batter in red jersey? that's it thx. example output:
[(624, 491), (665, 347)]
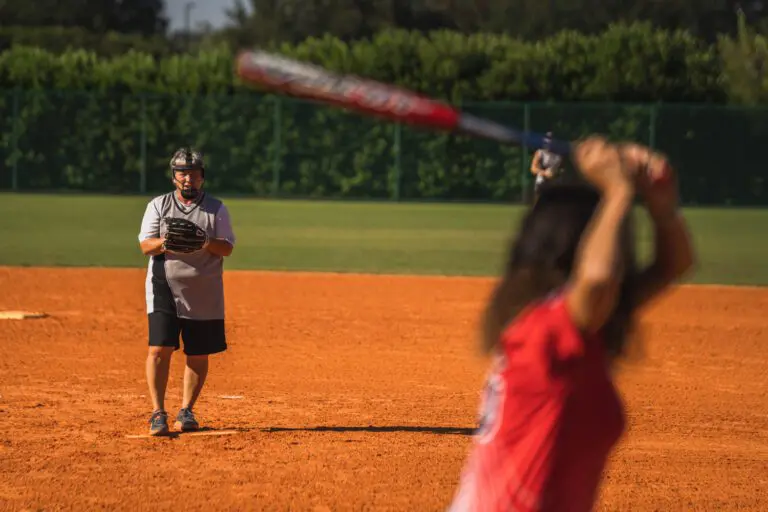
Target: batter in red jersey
[(559, 317)]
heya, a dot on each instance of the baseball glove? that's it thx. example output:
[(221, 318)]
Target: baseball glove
[(184, 236)]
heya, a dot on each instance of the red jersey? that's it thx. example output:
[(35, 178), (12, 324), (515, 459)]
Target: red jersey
[(550, 416)]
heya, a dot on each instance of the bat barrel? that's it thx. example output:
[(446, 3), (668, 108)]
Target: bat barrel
[(370, 97)]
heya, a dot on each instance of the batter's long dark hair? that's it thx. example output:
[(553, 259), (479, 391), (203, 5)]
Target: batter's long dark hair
[(541, 258)]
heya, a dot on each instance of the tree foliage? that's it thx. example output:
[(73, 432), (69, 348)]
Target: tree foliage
[(263, 21), (143, 17), (624, 63), (745, 66), (62, 39)]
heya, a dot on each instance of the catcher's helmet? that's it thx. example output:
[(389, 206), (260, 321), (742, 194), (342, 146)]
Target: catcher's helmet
[(187, 159)]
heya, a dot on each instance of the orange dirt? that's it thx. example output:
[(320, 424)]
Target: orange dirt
[(358, 393)]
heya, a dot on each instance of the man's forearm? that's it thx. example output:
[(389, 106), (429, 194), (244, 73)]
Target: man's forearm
[(219, 247), (152, 246)]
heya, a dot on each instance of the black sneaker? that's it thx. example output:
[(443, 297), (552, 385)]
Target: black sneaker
[(158, 423), (185, 421)]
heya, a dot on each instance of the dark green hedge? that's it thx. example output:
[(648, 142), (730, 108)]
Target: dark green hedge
[(625, 63), (78, 121), (58, 40)]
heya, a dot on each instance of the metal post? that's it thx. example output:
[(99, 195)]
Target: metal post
[(187, 25), (652, 126), (397, 147), (15, 164), (277, 132), (143, 147), (524, 160)]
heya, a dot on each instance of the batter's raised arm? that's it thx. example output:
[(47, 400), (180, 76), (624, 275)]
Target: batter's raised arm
[(673, 245), (593, 290)]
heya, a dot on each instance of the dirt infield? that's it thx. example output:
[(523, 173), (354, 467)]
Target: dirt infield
[(346, 392)]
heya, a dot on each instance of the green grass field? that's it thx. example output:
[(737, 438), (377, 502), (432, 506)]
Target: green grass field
[(449, 239)]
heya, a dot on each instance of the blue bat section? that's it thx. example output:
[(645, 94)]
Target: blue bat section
[(488, 129)]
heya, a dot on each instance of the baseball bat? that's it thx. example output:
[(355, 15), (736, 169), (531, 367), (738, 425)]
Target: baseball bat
[(369, 97)]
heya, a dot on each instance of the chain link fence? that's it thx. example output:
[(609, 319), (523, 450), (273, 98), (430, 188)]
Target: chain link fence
[(267, 146)]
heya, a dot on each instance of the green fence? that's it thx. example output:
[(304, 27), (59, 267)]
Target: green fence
[(267, 146)]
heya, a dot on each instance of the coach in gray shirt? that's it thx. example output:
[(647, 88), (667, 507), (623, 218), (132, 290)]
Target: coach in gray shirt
[(184, 292)]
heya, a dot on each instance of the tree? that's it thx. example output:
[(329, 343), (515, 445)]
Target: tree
[(537, 19), (295, 20), (143, 17), (745, 65)]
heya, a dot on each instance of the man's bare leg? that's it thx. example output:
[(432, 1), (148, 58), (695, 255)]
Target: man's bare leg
[(158, 367), (194, 378)]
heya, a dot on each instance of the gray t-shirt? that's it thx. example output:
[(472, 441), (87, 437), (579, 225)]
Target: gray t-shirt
[(193, 283), (551, 162)]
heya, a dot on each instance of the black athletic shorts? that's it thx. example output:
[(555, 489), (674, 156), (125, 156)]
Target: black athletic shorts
[(201, 337)]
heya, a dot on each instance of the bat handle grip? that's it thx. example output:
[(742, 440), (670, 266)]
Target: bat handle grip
[(536, 141), (472, 125)]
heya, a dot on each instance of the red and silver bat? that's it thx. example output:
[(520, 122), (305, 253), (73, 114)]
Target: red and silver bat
[(369, 97)]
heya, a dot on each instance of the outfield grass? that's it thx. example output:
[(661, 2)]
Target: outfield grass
[(450, 239)]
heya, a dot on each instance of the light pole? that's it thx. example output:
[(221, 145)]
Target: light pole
[(187, 9)]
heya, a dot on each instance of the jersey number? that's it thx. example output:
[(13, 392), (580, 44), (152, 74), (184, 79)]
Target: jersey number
[(491, 408)]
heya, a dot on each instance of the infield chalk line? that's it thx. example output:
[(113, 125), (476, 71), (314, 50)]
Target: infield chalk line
[(21, 315)]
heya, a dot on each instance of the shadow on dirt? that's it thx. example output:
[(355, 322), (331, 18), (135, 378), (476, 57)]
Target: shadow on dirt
[(456, 431)]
